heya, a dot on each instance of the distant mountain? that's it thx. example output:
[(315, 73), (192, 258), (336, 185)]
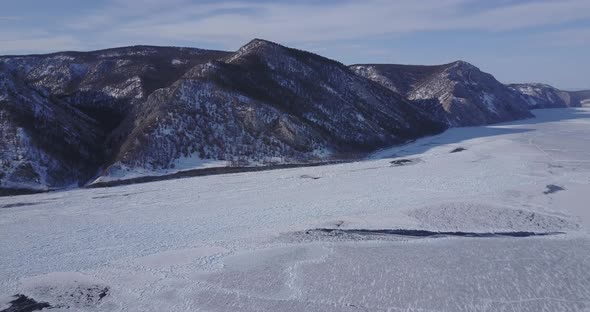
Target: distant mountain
[(540, 95), (458, 94), (73, 118), (583, 96), (126, 112)]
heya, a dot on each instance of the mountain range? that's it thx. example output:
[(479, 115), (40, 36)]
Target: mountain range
[(77, 118), (539, 95)]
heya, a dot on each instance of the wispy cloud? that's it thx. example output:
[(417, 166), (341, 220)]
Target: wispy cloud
[(232, 23), (526, 15), (512, 37)]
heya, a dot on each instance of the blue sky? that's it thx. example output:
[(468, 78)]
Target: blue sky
[(515, 40)]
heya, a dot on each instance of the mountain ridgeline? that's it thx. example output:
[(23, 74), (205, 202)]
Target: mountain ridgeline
[(539, 95), (457, 94), (72, 118)]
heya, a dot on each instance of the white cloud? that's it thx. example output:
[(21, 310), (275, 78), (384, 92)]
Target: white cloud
[(235, 22), (531, 14), (230, 24)]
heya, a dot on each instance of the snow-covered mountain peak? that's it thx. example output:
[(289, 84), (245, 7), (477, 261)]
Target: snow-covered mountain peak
[(540, 95), (462, 64), (276, 56), (461, 71), (260, 43), (256, 47), (458, 93)]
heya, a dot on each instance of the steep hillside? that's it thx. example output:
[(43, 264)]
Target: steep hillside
[(583, 96), (71, 118), (261, 104), (458, 94), (60, 113), (540, 95), (43, 141), (133, 111)]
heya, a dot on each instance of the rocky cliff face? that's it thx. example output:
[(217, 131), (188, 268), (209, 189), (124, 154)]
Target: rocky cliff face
[(458, 94)]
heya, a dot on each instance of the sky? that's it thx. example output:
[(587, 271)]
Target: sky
[(515, 40)]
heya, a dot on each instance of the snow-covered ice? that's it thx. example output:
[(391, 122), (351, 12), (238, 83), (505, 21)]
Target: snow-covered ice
[(238, 242)]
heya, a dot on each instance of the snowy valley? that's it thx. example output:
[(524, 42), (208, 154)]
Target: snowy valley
[(295, 156), (487, 218)]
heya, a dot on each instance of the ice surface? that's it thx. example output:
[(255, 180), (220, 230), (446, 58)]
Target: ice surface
[(228, 242), (177, 257), (498, 274)]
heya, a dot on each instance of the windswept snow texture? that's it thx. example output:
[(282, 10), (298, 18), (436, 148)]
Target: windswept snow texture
[(245, 242)]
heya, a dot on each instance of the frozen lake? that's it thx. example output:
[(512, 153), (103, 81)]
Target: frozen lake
[(245, 242)]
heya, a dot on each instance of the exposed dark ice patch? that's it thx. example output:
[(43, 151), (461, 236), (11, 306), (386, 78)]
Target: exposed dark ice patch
[(405, 162), (75, 298), (458, 149), (19, 205), (15, 192), (555, 166), (83, 296), (552, 188), (401, 162), (79, 297), (117, 195), (343, 235), (424, 233), (110, 196), (22, 303), (307, 176)]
